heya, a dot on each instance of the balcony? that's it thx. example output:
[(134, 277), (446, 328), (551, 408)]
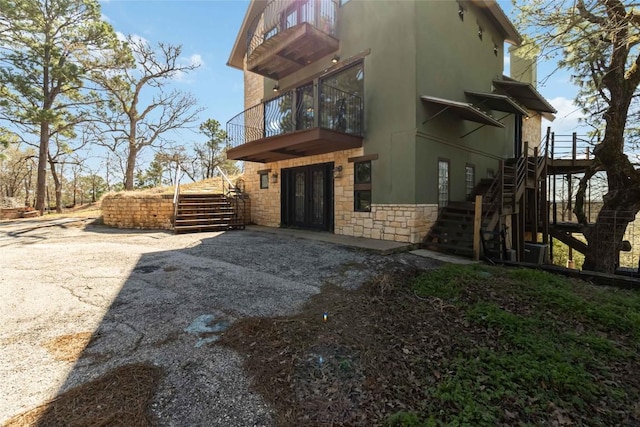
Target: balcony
[(288, 127), (289, 35)]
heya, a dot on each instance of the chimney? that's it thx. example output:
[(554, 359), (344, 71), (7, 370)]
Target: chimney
[(523, 66)]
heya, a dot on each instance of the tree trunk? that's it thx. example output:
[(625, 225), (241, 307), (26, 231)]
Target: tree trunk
[(131, 166), (605, 238), (622, 201), (57, 186), (41, 184)]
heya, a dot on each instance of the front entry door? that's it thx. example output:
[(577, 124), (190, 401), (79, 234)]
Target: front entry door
[(307, 195)]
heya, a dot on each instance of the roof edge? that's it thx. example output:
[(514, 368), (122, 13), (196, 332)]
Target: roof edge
[(493, 9), (236, 57)]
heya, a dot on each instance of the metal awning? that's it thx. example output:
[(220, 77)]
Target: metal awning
[(497, 102), (525, 94), (463, 110)]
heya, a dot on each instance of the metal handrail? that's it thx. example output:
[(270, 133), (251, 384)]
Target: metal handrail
[(224, 178), (176, 195), (232, 188), (302, 108), (281, 15)]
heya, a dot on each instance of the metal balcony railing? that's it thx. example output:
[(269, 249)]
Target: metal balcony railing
[(295, 110), (280, 15)]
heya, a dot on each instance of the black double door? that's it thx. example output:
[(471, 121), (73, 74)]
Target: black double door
[(306, 197)]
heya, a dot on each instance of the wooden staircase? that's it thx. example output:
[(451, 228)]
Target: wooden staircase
[(196, 212), (453, 230), (501, 197)]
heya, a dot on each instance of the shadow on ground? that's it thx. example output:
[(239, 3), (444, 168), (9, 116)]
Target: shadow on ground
[(157, 326)]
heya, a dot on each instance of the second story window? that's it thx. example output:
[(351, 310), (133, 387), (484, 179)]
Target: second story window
[(342, 100)]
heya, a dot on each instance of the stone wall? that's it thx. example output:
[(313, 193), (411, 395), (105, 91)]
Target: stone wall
[(532, 132), (10, 213), (15, 213), (149, 212), (397, 222), (253, 88)]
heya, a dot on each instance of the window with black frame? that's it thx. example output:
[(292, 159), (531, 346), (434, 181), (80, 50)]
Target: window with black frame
[(469, 179), (443, 183), (362, 186), (264, 180)]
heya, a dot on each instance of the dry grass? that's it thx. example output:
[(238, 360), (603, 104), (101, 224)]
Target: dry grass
[(121, 397), (460, 345), (67, 348), (209, 184)]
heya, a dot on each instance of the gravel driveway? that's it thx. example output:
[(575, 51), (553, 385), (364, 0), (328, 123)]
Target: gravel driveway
[(159, 298)]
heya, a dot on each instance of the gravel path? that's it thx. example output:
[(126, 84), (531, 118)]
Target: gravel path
[(159, 298)]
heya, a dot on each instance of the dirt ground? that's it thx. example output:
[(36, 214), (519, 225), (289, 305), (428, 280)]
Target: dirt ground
[(80, 301)]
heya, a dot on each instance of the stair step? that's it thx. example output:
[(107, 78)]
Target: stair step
[(454, 224), (444, 247), (180, 220), (191, 202), (191, 228), (204, 214), (459, 216)]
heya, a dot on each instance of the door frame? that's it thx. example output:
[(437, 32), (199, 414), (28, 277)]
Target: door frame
[(287, 195)]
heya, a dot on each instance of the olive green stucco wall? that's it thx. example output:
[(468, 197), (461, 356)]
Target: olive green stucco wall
[(386, 29), (418, 48), (451, 58)]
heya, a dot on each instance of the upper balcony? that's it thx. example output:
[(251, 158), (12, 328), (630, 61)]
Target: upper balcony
[(309, 120), (290, 34)]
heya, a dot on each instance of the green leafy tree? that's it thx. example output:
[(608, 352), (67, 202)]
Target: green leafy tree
[(213, 152), (133, 124), (47, 47), (598, 42), (90, 188)]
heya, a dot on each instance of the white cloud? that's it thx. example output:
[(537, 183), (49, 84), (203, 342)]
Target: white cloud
[(196, 60), (567, 118), (105, 18)]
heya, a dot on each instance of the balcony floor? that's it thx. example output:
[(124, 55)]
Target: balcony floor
[(291, 50), (293, 145)]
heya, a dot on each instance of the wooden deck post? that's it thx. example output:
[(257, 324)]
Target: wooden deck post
[(536, 193), (477, 223)]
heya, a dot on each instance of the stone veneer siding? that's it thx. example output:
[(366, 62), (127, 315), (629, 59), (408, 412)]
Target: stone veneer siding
[(397, 222), (532, 132), (153, 212)]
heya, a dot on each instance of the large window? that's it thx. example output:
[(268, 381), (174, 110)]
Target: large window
[(350, 80), (362, 186), (341, 100), (469, 179), (443, 183)]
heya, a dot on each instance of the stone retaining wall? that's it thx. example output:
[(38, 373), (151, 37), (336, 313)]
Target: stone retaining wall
[(15, 213), (148, 212), (10, 213)]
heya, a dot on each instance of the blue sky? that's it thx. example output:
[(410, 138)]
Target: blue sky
[(207, 30)]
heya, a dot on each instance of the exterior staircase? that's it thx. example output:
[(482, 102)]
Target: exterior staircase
[(453, 230), (197, 212)]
